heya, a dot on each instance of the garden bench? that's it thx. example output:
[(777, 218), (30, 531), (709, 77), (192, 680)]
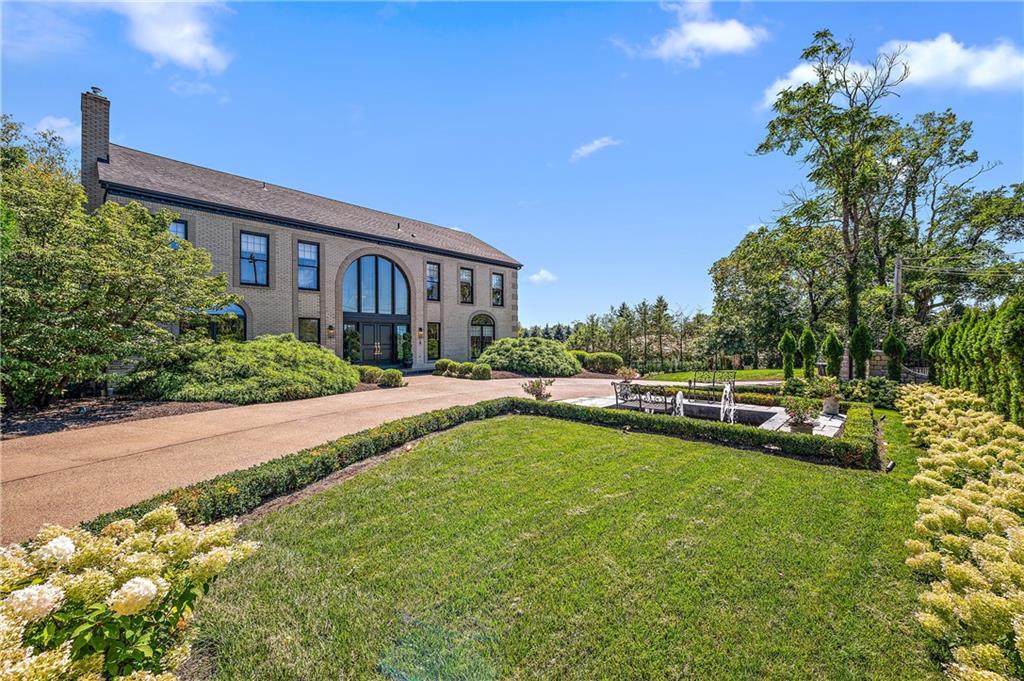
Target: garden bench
[(632, 396)]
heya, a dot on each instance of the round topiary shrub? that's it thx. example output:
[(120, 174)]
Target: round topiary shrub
[(441, 366), (580, 355), (603, 362), (481, 372), (371, 374), (531, 356), (894, 349), (391, 378), (465, 369)]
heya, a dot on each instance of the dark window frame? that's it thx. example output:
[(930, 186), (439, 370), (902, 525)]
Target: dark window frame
[(437, 281), (179, 222), (309, 319), (501, 289), (472, 285), (241, 282), (300, 267), (492, 325), (438, 353), (396, 272)]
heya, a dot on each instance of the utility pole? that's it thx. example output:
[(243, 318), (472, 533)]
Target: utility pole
[(897, 287)]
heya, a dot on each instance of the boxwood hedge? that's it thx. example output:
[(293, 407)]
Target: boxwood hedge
[(242, 491)]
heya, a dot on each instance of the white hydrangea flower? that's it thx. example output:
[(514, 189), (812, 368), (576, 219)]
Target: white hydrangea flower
[(134, 596), (34, 602), (57, 550)]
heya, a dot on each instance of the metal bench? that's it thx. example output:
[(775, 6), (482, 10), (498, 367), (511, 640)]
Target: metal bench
[(640, 398)]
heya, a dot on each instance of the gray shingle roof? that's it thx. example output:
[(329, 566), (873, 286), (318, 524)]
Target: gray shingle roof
[(150, 174)]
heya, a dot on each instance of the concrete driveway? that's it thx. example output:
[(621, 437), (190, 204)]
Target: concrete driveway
[(73, 476)]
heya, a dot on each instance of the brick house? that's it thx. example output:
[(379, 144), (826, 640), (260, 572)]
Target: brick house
[(372, 286)]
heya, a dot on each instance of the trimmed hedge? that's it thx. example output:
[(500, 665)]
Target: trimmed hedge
[(239, 492), (369, 374), (530, 356), (603, 362), (580, 355), (442, 366), (391, 378), (481, 372)]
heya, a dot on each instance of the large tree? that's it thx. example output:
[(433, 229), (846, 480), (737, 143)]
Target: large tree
[(82, 290)]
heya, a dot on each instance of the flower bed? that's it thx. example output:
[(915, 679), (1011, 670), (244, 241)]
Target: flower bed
[(239, 492), (74, 605), (969, 540)]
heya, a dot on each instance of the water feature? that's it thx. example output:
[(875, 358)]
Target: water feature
[(728, 409)]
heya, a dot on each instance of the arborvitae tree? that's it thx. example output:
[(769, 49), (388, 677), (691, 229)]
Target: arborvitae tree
[(930, 346), (662, 326), (643, 315), (895, 349), (832, 349), (860, 349), (787, 346), (809, 351)]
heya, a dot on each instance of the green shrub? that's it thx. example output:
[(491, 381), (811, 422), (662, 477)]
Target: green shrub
[(787, 346), (267, 369), (371, 374), (876, 390), (465, 369), (580, 355), (391, 378), (894, 349), (239, 492), (442, 366), (481, 372), (530, 356), (809, 352), (603, 362), (832, 349), (860, 349), (794, 386)]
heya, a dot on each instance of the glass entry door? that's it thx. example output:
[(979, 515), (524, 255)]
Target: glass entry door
[(378, 343)]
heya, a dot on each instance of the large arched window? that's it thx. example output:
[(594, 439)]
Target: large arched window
[(227, 323), (481, 334), (375, 285)]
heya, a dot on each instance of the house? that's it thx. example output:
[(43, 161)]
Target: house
[(372, 286)]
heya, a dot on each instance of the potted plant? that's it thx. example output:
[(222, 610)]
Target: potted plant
[(407, 350), (802, 413), (627, 374), (827, 388)]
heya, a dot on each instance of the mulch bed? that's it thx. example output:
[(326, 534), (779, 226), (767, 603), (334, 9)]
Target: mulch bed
[(87, 412)]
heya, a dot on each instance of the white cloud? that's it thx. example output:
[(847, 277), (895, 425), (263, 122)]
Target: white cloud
[(175, 32), (944, 61), (70, 131), (939, 62), (191, 88), (592, 147), (542, 276), (697, 35)]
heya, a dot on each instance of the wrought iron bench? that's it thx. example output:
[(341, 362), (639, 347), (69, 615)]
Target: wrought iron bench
[(633, 396), (702, 380)]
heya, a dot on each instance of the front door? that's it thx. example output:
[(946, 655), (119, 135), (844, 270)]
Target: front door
[(378, 343)]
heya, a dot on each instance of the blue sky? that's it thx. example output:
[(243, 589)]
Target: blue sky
[(608, 146)]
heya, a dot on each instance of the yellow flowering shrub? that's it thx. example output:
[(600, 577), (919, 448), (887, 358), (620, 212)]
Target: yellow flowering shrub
[(969, 535), (112, 605)]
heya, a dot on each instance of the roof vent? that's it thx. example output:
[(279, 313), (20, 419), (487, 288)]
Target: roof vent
[(96, 90), (398, 226)]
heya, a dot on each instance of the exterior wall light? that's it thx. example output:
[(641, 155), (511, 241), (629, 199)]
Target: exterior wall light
[(330, 330)]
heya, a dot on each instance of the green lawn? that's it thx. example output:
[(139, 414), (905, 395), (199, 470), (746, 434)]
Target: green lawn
[(524, 547), (741, 375)]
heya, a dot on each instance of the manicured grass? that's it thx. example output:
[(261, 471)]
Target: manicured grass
[(741, 375), (524, 547)]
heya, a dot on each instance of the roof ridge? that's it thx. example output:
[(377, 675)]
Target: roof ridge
[(300, 191)]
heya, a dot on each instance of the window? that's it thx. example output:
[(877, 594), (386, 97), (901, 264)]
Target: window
[(309, 329), (465, 285), (433, 281), (433, 340), (497, 289), (227, 323), (179, 230), (375, 285), (309, 266), (481, 334), (403, 346), (253, 255), (353, 345)]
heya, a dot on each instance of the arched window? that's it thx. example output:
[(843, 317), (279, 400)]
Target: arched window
[(481, 334), (375, 285), (227, 323)]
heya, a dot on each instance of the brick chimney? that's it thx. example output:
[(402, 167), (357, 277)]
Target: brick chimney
[(95, 143)]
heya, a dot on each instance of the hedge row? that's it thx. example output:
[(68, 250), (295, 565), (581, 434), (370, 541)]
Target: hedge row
[(239, 492), (983, 352)]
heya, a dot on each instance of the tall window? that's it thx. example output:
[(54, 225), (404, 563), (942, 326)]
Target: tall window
[(481, 334), (227, 323), (309, 329), (433, 281), (465, 285), (253, 256), (375, 285), (433, 340), (179, 229), (309, 266), (497, 289)]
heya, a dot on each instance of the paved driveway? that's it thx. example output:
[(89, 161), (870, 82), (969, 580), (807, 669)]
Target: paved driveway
[(75, 475)]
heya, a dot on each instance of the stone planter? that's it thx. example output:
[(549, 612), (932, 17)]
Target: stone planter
[(831, 406)]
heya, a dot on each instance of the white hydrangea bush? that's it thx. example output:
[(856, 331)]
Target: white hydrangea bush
[(969, 536), (117, 605)]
